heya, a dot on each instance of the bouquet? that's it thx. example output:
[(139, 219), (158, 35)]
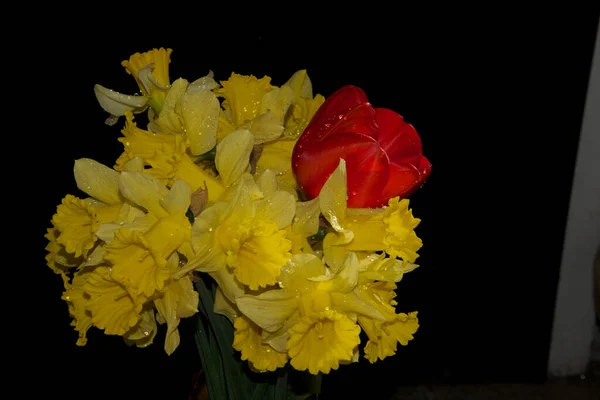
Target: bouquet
[(277, 218)]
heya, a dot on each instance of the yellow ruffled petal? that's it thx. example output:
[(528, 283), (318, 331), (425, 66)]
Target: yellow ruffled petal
[(57, 258), (140, 261), (260, 257), (401, 239), (111, 307), (200, 114), (77, 299), (77, 221), (233, 155), (384, 337), (319, 342), (270, 309), (161, 151), (136, 265), (243, 95), (248, 341), (97, 180)]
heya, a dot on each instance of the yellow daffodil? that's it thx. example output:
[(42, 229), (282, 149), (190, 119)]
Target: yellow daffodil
[(264, 109), (166, 155), (191, 110), (76, 220), (139, 260), (389, 229), (377, 280), (313, 314), (248, 340), (244, 236), (111, 306), (151, 72)]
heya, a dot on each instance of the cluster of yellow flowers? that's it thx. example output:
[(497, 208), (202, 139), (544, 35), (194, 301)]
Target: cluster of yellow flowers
[(128, 252)]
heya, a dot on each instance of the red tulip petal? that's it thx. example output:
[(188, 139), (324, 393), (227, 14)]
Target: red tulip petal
[(400, 140), (367, 167), (346, 109), (403, 180), (424, 167), (360, 119)]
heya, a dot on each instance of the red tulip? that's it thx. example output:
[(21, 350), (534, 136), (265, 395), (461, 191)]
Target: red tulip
[(383, 153)]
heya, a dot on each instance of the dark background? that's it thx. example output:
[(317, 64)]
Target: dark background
[(497, 97)]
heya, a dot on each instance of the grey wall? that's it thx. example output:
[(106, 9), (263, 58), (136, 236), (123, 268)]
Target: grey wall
[(574, 320)]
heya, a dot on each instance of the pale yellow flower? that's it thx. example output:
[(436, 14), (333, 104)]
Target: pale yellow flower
[(248, 340), (112, 308), (151, 72), (244, 236), (389, 229), (313, 314), (139, 259)]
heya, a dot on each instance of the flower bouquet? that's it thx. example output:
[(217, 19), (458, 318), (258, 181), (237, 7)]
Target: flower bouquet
[(275, 217)]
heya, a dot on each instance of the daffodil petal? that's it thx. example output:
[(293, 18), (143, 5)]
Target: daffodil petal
[(300, 84), (265, 128), (350, 302), (97, 180), (200, 112), (333, 198), (344, 280), (233, 155), (232, 289), (118, 104), (168, 119), (142, 335), (268, 310), (278, 101), (205, 83), (306, 221), (144, 190), (279, 208), (177, 201), (136, 164), (225, 307), (267, 182)]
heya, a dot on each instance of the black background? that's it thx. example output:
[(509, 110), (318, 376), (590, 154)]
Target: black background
[(497, 97)]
